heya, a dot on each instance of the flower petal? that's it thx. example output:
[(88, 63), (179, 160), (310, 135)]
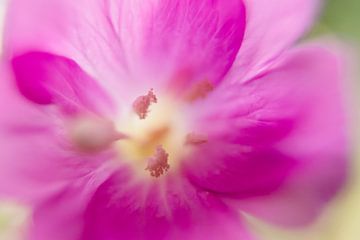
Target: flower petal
[(63, 210), (33, 159), (19, 117), (126, 43), (45, 78), (190, 41), (85, 31), (271, 27), (162, 209), (319, 142), (235, 169), (313, 146)]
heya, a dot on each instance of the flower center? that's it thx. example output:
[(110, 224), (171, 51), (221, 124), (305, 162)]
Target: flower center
[(156, 133), (152, 135)]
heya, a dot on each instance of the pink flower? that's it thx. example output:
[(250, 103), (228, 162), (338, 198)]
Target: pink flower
[(165, 119)]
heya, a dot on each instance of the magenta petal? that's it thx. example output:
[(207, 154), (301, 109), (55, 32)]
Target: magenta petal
[(234, 169), (171, 209), (305, 86), (271, 27), (49, 79), (191, 41)]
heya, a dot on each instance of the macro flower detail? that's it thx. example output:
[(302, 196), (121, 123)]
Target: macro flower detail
[(168, 119), (142, 104), (158, 164)]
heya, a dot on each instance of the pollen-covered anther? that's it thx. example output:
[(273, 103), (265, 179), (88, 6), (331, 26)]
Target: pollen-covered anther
[(141, 104), (196, 139), (158, 164), (199, 90)]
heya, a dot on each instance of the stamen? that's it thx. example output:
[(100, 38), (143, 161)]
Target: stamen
[(158, 164), (199, 90), (195, 139), (141, 104)]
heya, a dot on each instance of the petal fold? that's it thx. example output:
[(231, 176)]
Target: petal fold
[(45, 78)]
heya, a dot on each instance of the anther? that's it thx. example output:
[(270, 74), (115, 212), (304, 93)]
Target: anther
[(158, 164), (199, 90), (141, 104), (196, 139)]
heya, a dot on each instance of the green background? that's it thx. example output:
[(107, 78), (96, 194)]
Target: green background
[(343, 17)]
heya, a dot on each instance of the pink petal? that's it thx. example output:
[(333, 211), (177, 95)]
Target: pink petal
[(271, 27), (190, 41), (17, 117), (34, 161), (305, 90), (132, 44), (85, 31), (50, 79), (237, 169), (60, 217), (163, 209), (319, 142)]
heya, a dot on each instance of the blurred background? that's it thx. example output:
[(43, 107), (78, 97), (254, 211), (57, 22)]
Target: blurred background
[(342, 219), (342, 17)]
